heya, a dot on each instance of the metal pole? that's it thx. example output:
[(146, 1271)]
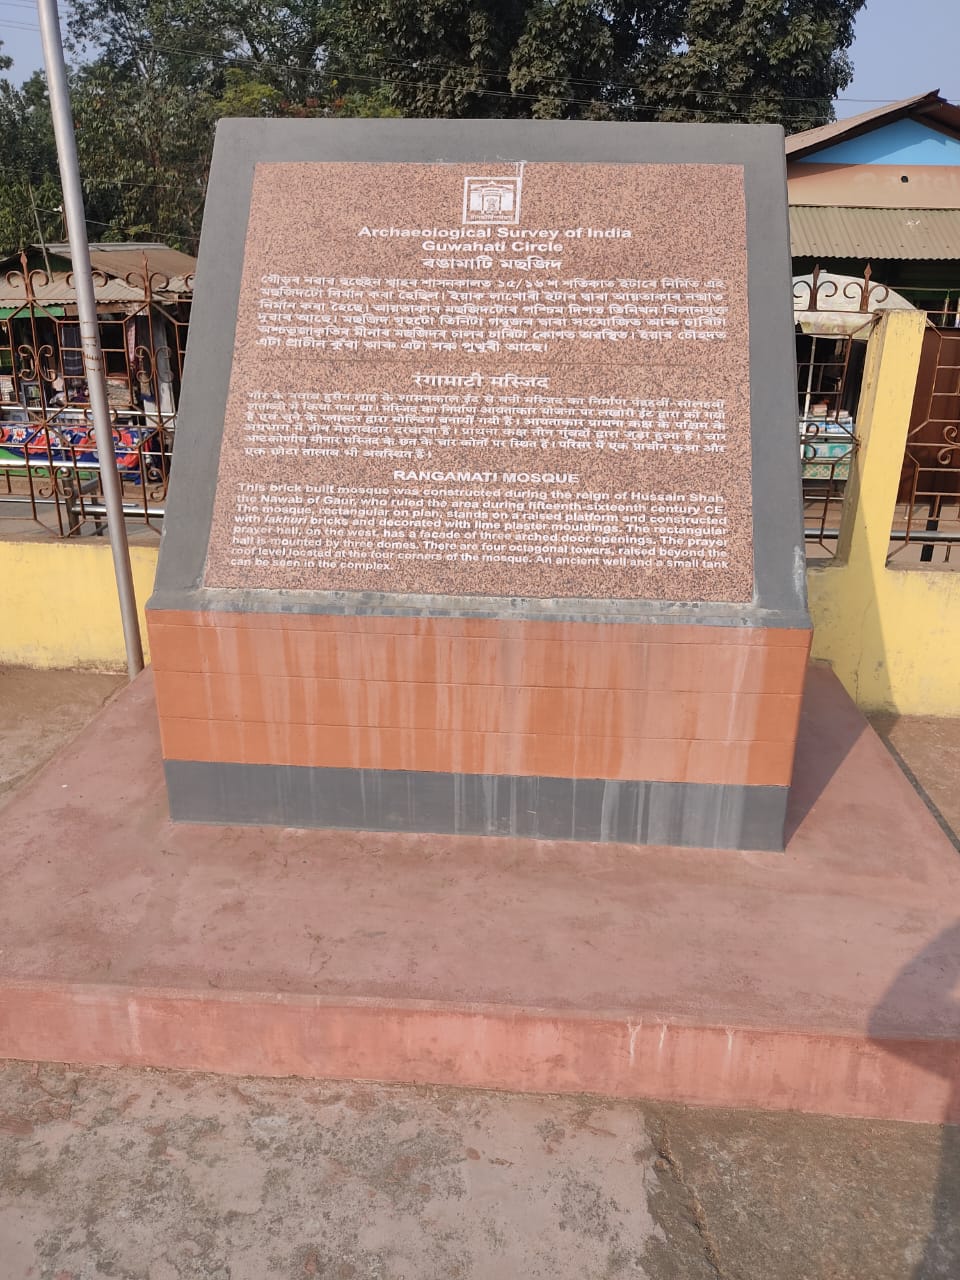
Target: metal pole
[(89, 329)]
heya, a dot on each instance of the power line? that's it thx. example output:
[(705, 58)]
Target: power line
[(38, 175), (118, 223), (498, 73), (500, 94), (231, 59), (266, 64), (96, 222)]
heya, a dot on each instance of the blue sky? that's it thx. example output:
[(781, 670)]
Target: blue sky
[(901, 48)]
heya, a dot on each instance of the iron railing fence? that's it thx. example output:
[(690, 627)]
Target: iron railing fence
[(926, 523), (837, 318), (49, 464), (834, 317), (50, 470)]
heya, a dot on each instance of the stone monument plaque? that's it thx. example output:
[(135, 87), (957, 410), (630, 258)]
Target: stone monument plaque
[(551, 401), (485, 505)]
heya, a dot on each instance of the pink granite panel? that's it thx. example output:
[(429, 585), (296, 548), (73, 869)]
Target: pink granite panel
[(506, 380)]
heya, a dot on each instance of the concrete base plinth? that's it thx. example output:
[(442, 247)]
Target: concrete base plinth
[(817, 980)]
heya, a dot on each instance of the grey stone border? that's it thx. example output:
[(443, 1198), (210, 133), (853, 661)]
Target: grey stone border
[(779, 562), (688, 814)]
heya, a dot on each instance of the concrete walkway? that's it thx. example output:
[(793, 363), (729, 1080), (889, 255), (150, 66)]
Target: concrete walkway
[(140, 1175), (41, 711)]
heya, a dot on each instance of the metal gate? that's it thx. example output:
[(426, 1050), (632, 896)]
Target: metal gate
[(927, 514)]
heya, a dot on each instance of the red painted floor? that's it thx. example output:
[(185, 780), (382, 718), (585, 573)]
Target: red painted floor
[(818, 980)]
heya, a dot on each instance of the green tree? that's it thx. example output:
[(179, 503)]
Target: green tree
[(196, 43), (151, 77), (28, 166), (244, 96), (150, 82), (765, 61), (754, 60), (144, 151)]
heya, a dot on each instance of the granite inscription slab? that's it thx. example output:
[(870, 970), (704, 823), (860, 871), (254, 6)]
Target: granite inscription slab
[(515, 380)]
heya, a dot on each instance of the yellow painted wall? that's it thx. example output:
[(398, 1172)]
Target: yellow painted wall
[(58, 603), (893, 644), (891, 634)]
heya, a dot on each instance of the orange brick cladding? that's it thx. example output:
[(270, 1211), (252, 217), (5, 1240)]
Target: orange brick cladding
[(664, 702)]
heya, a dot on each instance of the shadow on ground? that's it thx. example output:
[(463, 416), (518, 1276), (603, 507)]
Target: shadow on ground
[(928, 985)]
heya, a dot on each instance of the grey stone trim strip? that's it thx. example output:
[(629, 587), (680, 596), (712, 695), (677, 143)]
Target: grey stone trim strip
[(500, 608), (698, 815)]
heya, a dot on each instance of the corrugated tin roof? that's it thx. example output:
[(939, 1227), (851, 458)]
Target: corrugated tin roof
[(123, 266), (817, 231), (168, 264), (170, 268), (929, 107), (57, 290)]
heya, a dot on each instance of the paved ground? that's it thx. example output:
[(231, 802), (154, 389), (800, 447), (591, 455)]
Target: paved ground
[(166, 1176), (139, 1175), (928, 751), (40, 711)]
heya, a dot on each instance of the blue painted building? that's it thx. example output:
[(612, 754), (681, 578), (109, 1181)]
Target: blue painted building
[(882, 188)]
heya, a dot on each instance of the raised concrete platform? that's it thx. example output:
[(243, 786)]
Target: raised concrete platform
[(820, 980)]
